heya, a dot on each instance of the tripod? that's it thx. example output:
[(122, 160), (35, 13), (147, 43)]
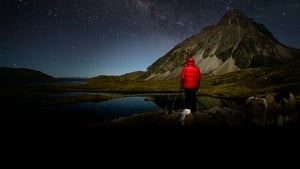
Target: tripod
[(173, 104)]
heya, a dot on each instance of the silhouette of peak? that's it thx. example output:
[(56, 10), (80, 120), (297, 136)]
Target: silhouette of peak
[(235, 17), (240, 19), (236, 42)]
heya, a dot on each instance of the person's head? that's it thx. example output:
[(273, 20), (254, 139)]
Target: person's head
[(190, 61)]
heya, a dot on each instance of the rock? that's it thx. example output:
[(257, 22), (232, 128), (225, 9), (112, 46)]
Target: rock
[(271, 109), (280, 120), (183, 114), (181, 117), (221, 116), (189, 120), (256, 110)]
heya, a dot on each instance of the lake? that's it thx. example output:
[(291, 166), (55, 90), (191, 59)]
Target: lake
[(128, 105), (109, 109), (33, 107), (114, 108)]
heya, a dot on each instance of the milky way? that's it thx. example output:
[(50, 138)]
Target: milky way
[(87, 38)]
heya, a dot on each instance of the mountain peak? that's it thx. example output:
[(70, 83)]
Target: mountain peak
[(239, 18), (236, 42), (235, 17)]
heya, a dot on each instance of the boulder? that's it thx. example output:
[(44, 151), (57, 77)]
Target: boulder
[(271, 109), (220, 116)]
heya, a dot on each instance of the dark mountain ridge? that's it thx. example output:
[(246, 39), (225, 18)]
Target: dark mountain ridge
[(22, 75)]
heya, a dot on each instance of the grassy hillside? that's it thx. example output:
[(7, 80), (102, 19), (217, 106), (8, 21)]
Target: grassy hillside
[(242, 83), (252, 81)]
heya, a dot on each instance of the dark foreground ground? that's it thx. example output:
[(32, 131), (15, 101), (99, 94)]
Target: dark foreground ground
[(216, 117)]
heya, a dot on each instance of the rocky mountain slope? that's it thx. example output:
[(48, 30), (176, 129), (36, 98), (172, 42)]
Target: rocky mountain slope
[(236, 42)]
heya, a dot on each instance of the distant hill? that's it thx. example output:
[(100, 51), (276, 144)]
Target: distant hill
[(237, 42), (133, 75), (137, 75), (22, 75)]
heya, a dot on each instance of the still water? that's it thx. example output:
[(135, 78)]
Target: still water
[(32, 108), (131, 105), (109, 109)]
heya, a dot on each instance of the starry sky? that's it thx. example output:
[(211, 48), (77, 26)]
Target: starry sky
[(86, 38)]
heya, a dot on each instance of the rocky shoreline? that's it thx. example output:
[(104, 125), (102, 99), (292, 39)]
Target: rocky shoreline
[(270, 109)]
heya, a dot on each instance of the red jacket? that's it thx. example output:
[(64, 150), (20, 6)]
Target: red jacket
[(190, 75)]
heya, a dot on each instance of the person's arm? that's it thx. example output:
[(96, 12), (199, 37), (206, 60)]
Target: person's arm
[(182, 77), (199, 76)]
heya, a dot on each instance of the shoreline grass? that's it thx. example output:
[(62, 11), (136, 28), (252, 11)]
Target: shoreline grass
[(239, 84)]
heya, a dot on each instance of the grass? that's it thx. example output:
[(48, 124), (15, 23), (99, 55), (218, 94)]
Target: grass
[(240, 84)]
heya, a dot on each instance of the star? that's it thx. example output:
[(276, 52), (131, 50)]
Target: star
[(50, 12), (295, 6), (116, 29)]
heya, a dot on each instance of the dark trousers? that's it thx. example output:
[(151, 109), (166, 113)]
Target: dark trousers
[(190, 99)]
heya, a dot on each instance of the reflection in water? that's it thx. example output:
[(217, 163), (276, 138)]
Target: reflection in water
[(66, 94), (203, 102), (126, 106), (167, 101), (111, 108), (33, 108), (130, 105)]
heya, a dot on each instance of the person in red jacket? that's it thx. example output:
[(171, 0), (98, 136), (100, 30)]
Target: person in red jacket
[(190, 82)]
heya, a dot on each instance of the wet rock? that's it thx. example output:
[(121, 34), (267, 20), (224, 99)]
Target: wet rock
[(256, 110), (179, 118), (271, 109), (183, 114), (221, 116)]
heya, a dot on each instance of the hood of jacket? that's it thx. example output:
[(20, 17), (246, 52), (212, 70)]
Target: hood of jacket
[(190, 61)]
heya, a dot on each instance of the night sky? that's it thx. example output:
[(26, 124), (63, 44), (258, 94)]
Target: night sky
[(86, 38)]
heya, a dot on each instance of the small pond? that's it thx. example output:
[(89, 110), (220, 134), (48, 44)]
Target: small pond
[(135, 104), (108, 109)]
